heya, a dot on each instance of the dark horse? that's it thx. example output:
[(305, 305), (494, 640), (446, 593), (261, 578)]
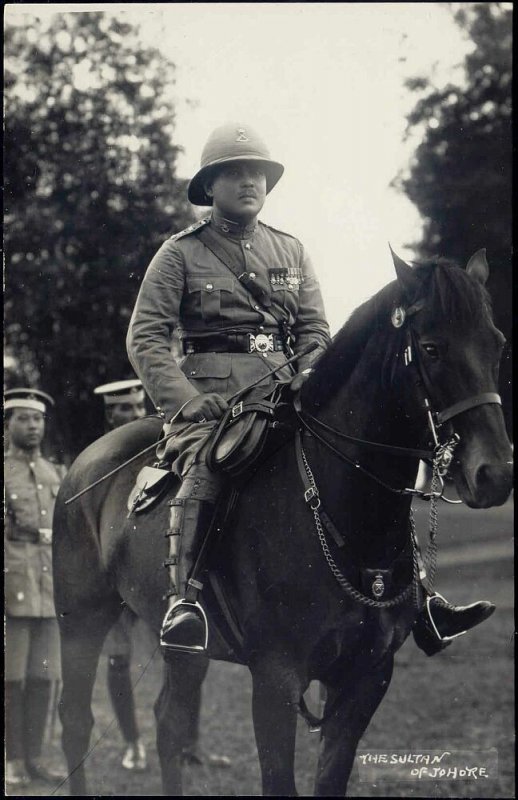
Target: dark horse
[(297, 620)]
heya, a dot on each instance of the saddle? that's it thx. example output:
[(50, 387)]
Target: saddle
[(249, 431)]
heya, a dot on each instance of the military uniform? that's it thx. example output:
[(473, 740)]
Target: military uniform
[(31, 487), (188, 289), (241, 297), (32, 648), (124, 401)]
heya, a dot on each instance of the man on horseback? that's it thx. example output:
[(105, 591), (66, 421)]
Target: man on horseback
[(243, 298), (234, 325)]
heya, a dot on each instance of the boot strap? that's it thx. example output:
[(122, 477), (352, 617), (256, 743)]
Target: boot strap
[(172, 561), (192, 590)]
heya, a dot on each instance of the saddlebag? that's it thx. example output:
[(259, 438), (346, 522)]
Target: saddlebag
[(241, 434)]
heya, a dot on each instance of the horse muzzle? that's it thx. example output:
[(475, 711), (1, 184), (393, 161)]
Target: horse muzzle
[(485, 485)]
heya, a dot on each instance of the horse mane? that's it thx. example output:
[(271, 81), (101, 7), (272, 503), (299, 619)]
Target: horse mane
[(448, 290)]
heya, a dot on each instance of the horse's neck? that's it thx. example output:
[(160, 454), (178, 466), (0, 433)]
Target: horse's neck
[(363, 408)]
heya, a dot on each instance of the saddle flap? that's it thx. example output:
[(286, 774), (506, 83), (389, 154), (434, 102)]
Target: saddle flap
[(150, 483)]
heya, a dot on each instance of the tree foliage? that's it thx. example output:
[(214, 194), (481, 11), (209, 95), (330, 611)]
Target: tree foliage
[(90, 194), (460, 177)]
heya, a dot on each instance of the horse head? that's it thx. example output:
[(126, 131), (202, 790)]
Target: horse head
[(445, 312)]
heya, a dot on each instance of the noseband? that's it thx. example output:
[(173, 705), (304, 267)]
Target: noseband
[(442, 454)]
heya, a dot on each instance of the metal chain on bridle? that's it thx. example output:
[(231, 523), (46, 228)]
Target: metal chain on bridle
[(355, 594)]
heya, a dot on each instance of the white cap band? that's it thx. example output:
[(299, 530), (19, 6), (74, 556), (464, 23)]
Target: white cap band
[(33, 405)]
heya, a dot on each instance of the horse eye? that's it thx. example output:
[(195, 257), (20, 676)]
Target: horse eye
[(430, 349)]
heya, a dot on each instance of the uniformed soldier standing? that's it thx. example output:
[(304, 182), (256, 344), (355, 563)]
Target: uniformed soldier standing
[(241, 296), (32, 653), (235, 324), (124, 401)]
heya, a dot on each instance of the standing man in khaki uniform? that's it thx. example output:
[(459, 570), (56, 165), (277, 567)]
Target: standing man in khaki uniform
[(242, 297), (32, 657), (124, 401)]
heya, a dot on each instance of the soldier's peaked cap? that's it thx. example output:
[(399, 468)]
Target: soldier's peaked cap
[(232, 142), (33, 399), (129, 391)]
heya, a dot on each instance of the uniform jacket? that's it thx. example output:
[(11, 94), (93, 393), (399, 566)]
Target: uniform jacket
[(31, 486), (188, 289)]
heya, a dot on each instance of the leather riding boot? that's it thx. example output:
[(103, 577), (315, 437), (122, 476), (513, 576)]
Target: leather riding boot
[(37, 697), (440, 622), (184, 627)]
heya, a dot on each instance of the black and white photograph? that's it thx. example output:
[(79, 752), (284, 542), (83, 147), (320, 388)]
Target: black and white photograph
[(258, 434)]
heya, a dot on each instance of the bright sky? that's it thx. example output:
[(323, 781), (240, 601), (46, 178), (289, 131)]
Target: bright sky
[(323, 84)]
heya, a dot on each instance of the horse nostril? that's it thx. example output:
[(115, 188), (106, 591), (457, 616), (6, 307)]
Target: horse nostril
[(496, 478)]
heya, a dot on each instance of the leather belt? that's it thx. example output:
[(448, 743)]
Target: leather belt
[(234, 343), (25, 533)]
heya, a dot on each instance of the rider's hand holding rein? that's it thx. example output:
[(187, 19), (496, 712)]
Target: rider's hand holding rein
[(204, 408)]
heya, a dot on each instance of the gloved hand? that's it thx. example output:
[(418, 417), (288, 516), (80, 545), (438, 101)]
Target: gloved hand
[(299, 379), (204, 408)]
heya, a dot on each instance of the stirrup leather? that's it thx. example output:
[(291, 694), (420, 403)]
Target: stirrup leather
[(194, 604), (432, 622)]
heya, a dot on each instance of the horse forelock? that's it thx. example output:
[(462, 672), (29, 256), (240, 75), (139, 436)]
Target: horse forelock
[(452, 295)]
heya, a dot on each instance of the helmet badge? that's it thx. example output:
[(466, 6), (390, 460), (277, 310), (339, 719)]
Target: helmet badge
[(241, 135)]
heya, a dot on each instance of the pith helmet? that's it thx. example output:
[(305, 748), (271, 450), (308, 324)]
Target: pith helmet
[(232, 142)]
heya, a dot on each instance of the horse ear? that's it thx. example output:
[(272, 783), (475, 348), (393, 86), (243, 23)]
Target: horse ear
[(406, 276), (477, 267)]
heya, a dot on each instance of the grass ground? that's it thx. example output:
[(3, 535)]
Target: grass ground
[(461, 699)]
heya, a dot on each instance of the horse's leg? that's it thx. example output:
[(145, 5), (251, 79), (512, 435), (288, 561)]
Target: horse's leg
[(175, 709), (82, 637), (277, 688), (344, 730)]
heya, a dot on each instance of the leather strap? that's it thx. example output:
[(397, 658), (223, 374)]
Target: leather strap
[(311, 493), (228, 258), (464, 405)]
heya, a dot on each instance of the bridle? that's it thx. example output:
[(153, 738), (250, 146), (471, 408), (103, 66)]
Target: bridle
[(441, 456), (443, 451)]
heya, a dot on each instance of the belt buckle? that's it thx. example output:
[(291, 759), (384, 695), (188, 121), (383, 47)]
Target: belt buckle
[(262, 342), (237, 410), (45, 535)]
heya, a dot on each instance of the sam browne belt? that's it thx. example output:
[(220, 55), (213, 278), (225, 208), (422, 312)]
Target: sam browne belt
[(234, 343)]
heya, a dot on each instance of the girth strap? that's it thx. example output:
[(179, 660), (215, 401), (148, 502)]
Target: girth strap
[(465, 405)]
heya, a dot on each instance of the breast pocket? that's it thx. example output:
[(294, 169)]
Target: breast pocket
[(212, 295), (209, 372)]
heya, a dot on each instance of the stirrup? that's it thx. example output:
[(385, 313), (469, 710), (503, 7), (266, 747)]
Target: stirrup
[(181, 648), (432, 622)]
